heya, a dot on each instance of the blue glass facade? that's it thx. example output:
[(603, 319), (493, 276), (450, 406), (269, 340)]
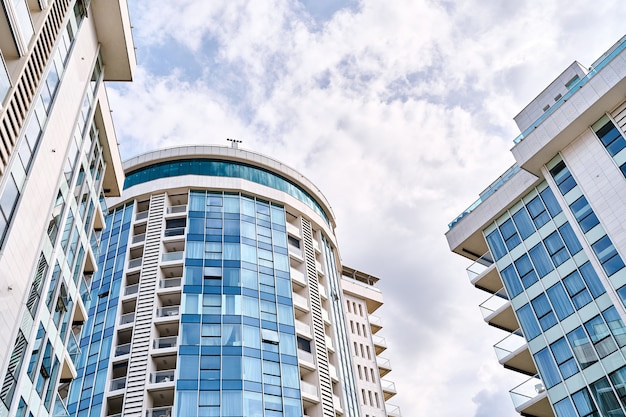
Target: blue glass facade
[(237, 354)]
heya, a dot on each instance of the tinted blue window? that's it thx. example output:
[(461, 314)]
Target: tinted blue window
[(547, 368), (541, 260), (511, 281), (560, 301), (496, 245), (600, 336), (527, 320), (584, 403), (544, 312), (564, 408), (585, 354), (526, 271), (577, 290), (563, 178), (585, 217), (523, 223), (511, 238), (616, 325), (608, 256), (571, 241), (538, 212), (550, 201), (564, 358), (611, 138), (556, 248), (591, 279)]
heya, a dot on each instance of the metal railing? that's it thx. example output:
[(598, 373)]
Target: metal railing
[(383, 362), (388, 386), (379, 341)]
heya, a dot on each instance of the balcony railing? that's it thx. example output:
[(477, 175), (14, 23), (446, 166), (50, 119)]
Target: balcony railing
[(85, 293), (375, 321), (141, 215), (169, 311), (175, 231), (73, 348), (60, 410), (162, 376), (509, 344), (165, 342), (306, 356), (139, 238), (177, 209), (300, 301), (393, 410), (127, 318), (383, 362), (170, 282), (527, 390), (494, 303), (308, 388), (298, 276), (122, 349), (172, 256), (303, 327), (131, 289), (379, 341), (479, 266), (135, 263), (118, 383), (159, 412), (388, 386)]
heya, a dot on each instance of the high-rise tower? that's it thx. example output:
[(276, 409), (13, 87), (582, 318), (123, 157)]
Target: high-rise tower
[(220, 292), (58, 159), (549, 244)]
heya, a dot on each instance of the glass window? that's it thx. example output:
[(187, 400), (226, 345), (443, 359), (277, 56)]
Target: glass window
[(556, 248), (527, 320), (511, 281), (511, 238), (563, 178), (541, 260), (607, 255), (496, 244), (550, 201), (538, 212), (605, 398), (547, 368), (577, 290), (584, 404), (618, 378), (600, 336), (584, 215), (582, 348), (564, 408), (544, 312), (592, 280), (523, 223), (564, 358), (616, 325), (560, 300), (611, 138), (526, 271), (571, 241)]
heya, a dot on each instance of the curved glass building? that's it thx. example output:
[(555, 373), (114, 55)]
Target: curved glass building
[(219, 292)]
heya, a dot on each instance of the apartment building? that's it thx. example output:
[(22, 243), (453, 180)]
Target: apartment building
[(219, 292), (548, 241), (58, 160)]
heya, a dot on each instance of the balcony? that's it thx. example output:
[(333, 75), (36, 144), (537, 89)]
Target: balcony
[(172, 256), (333, 372), (298, 277), (293, 230), (165, 342), (306, 358), (121, 350), (497, 311), (323, 293), (329, 343), (139, 238), (73, 348), (174, 231), (531, 398), (389, 388), (484, 275), (160, 412), (170, 282), (161, 377), (325, 316), (85, 293), (118, 384), (142, 215), (131, 289), (60, 409), (384, 366), (380, 344), (375, 323), (393, 410), (337, 404), (309, 392), (513, 353), (169, 311), (127, 318), (300, 302), (303, 329), (177, 209), (135, 263)]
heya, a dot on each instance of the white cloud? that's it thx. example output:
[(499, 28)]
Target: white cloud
[(401, 113)]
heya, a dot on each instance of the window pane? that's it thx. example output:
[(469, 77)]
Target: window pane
[(560, 301), (547, 368), (523, 223), (541, 260), (529, 324)]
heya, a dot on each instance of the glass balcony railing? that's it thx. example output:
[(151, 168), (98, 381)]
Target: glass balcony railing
[(165, 342), (85, 293), (139, 238), (375, 321), (141, 215), (122, 349), (131, 289), (127, 318), (509, 344), (494, 303), (479, 266), (118, 383), (172, 256), (393, 410), (60, 409), (170, 282), (159, 412), (162, 376), (527, 390), (135, 263), (383, 362), (175, 231), (169, 311), (73, 348), (177, 209), (388, 386)]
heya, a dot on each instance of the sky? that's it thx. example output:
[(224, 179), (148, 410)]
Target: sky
[(400, 111)]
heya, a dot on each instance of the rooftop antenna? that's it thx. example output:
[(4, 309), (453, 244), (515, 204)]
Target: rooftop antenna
[(234, 143)]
